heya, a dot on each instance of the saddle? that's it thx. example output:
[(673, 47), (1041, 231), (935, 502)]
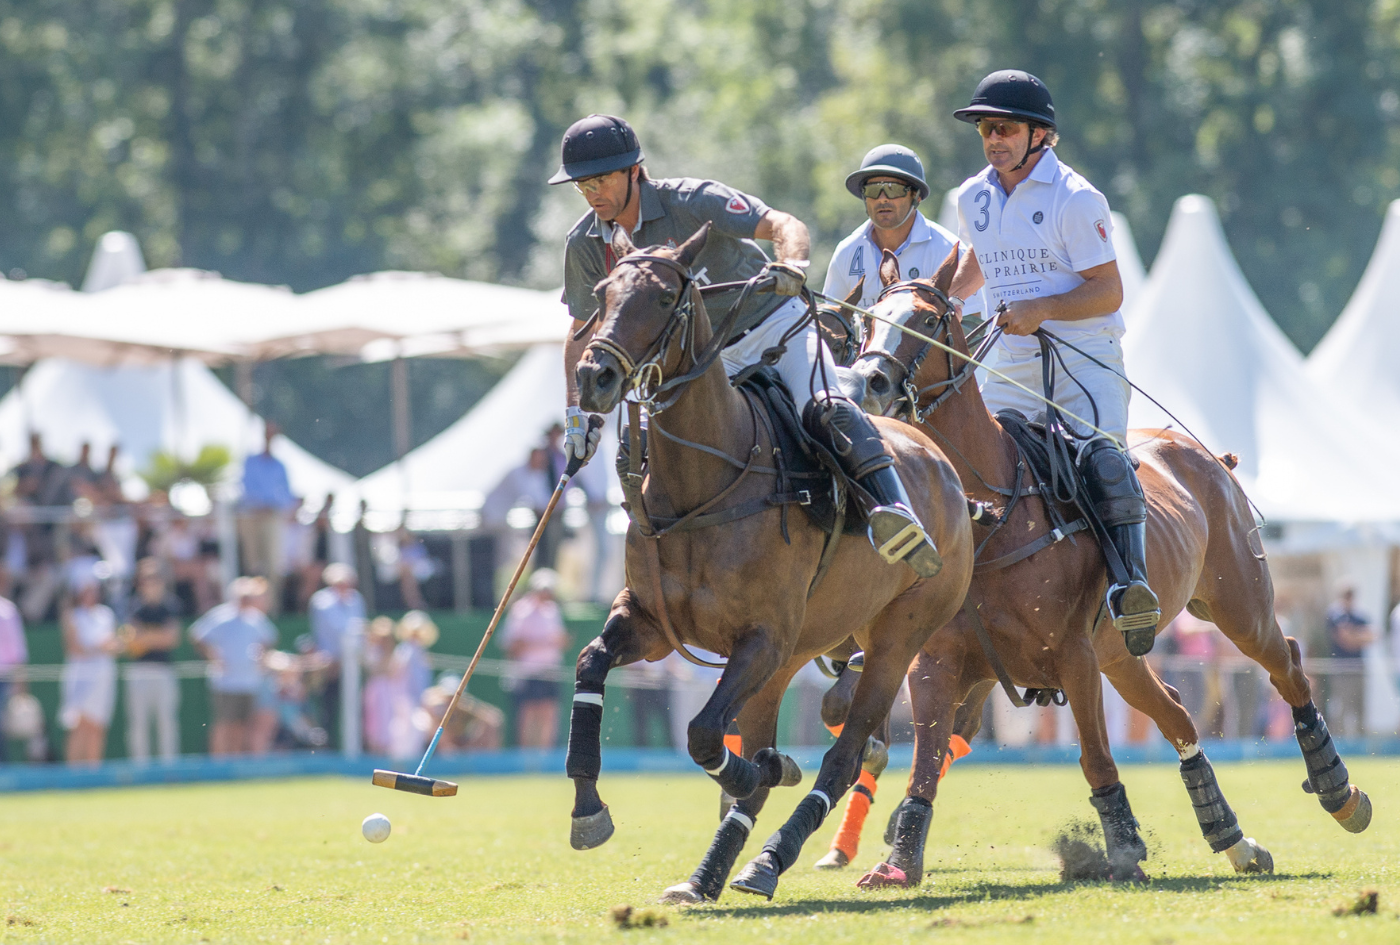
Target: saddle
[(803, 463)]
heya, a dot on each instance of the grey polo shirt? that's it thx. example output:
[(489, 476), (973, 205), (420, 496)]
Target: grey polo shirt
[(671, 211)]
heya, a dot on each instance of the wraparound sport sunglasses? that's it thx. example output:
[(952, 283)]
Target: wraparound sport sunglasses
[(887, 187)]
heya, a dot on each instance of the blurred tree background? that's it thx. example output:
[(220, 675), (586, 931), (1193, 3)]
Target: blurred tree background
[(300, 142)]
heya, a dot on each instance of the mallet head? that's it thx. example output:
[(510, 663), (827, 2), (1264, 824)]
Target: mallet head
[(413, 784)]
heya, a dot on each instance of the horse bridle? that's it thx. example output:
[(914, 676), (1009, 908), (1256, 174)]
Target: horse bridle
[(644, 374), (941, 325)]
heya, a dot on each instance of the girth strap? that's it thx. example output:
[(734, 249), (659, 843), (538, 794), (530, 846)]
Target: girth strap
[(1052, 537)]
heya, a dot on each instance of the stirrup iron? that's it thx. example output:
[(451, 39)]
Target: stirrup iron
[(909, 542), (1135, 615)]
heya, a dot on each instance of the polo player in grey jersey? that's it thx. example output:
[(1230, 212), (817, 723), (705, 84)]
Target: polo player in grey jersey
[(603, 159)]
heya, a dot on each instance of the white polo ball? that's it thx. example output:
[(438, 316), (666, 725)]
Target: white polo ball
[(376, 828)]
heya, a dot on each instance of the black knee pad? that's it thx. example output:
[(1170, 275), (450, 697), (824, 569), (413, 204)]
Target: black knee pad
[(1111, 484), (848, 432)]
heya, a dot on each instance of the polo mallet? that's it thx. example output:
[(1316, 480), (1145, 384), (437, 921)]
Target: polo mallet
[(416, 783)]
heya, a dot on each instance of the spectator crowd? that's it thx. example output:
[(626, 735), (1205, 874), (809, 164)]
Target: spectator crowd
[(131, 584)]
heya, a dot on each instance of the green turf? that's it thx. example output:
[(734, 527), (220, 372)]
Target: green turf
[(284, 862)]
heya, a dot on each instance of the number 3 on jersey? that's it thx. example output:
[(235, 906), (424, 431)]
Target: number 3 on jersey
[(984, 199)]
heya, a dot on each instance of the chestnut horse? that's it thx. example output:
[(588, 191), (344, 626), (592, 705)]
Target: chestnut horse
[(736, 587), (1043, 611)]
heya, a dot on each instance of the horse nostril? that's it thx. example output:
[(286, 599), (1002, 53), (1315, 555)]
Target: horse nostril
[(879, 384), (605, 378)]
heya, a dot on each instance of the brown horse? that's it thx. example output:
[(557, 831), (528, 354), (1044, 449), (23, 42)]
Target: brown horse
[(1043, 611), (737, 587)]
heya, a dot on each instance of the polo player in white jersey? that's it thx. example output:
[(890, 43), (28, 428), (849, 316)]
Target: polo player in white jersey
[(1042, 245), (891, 182)]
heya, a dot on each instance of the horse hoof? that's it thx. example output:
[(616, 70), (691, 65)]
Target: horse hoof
[(1248, 856), (1134, 875), (683, 894), (882, 876), (777, 769), (834, 860), (1355, 815), (877, 757), (592, 831), (759, 877)]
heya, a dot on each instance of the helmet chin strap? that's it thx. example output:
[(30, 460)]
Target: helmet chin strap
[(1031, 149), (905, 219)]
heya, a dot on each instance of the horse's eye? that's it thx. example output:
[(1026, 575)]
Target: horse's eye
[(931, 320), (668, 298)]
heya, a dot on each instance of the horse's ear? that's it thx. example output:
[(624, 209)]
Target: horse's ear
[(943, 278), (889, 268), (691, 248), (621, 242), (857, 292)]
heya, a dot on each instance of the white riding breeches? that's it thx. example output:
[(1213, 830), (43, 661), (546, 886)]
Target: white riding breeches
[(1104, 389), (795, 366)]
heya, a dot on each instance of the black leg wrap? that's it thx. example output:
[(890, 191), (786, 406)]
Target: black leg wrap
[(760, 875), (1327, 774), (892, 823), (738, 777), (719, 859), (1218, 823), (584, 759), (1122, 841), (910, 835), (786, 844)]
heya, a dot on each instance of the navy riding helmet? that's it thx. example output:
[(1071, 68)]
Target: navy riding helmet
[(596, 145), (889, 160), (1010, 93)]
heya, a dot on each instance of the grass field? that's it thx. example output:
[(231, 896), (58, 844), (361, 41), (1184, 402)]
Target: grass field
[(284, 862)]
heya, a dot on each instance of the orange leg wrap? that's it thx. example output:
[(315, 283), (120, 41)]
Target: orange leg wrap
[(835, 730), (957, 748), (847, 838), (735, 743)]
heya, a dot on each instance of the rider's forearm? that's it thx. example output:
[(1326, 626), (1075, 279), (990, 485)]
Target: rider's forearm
[(573, 351), (1101, 293), (791, 241)]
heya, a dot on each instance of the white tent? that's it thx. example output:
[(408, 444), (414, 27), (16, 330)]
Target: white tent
[(1201, 343), (456, 468), (1130, 268), (431, 314), (1359, 358), (177, 407)]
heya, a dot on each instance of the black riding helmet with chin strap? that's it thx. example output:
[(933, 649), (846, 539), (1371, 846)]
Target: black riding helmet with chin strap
[(1012, 94)]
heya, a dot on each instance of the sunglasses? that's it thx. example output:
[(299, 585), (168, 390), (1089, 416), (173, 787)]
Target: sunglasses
[(591, 185), (1002, 129), (885, 188)]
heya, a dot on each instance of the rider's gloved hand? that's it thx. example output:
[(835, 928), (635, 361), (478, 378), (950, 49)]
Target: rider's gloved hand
[(788, 279), (580, 440)]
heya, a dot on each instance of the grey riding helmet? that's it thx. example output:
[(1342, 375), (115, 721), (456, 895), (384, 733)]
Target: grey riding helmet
[(889, 160), (1013, 94), (596, 145)]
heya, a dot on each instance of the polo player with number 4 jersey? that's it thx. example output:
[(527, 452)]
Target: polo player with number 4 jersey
[(1042, 245), (891, 183), (603, 159)]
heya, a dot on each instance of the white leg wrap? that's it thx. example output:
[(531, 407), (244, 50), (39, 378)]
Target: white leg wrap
[(822, 796), (1187, 752), (589, 698), (740, 818), (722, 765)]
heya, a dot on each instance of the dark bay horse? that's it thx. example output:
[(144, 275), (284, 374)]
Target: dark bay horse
[(1043, 612), (736, 587)]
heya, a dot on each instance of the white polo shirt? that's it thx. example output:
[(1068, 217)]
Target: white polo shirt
[(1035, 243), (857, 255)]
